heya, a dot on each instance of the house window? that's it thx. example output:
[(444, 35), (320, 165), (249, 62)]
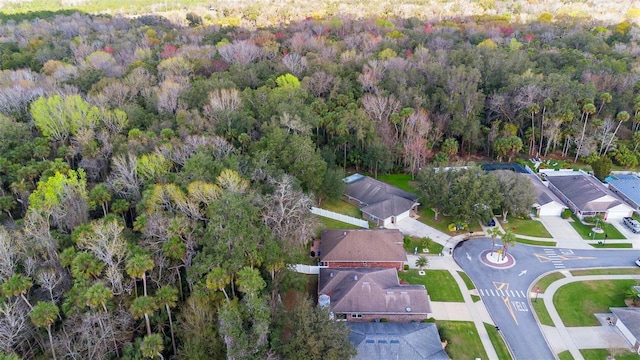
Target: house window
[(356, 315)]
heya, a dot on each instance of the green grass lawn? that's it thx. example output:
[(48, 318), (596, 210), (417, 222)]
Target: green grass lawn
[(426, 216), (342, 207), (528, 227), (613, 246), (541, 311), (439, 283), (544, 283), (599, 354), (402, 181), (585, 230), (577, 302), (498, 342), (536, 242), (620, 271), (463, 340), (335, 224), (433, 247), (566, 355), (467, 280)]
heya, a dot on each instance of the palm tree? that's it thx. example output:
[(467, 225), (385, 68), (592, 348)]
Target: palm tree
[(17, 285), (85, 266), (142, 307), (44, 314), (137, 267), (494, 232), (508, 239), (168, 296), (99, 295), (587, 110), (152, 346), (218, 279), (622, 116), (422, 262)]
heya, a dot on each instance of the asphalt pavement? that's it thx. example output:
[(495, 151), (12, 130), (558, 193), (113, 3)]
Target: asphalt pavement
[(507, 294)]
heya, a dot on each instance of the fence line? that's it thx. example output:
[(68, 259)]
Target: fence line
[(340, 217), (307, 269)]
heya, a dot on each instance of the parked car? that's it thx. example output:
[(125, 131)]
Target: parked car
[(632, 224), (491, 223)]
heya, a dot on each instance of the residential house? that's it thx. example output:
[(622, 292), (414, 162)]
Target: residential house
[(547, 203), (628, 321), (362, 248), (627, 187), (380, 203), (370, 294), (587, 196), (408, 341)]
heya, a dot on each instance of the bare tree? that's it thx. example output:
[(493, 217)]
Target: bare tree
[(320, 83), (295, 63), (8, 254), (240, 52), (286, 213), (123, 179), (14, 324)]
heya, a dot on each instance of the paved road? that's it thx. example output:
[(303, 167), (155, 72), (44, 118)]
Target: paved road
[(505, 292)]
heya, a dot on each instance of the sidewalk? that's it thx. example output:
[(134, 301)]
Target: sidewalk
[(562, 338), (459, 311)]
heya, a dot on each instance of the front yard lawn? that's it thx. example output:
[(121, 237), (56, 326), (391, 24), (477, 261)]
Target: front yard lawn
[(577, 302), (402, 181), (598, 354), (498, 342), (342, 207), (427, 215), (585, 230), (439, 283), (536, 242), (527, 227), (463, 341)]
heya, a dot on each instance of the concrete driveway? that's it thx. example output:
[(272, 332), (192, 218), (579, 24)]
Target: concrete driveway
[(635, 238), (412, 227), (563, 233)]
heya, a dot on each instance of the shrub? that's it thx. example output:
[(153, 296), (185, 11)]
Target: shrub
[(406, 267), (566, 213)]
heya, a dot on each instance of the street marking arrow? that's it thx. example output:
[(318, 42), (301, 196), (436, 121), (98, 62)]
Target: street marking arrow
[(522, 272)]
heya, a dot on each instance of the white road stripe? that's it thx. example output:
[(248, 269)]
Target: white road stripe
[(491, 292), (481, 292)]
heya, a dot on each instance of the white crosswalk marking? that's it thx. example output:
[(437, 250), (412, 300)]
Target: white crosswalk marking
[(502, 293)]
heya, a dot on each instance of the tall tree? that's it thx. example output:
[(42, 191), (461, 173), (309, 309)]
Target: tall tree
[(152, 346), (169, 297), (601, 167), (587, 109), (518, 194), (622, 116), (44, 314), (435, 189)]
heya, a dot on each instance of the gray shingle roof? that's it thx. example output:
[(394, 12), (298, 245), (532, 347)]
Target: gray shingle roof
[(407, 341), (629, 185), (582, 190), (362, 245), (371, 291), (380, 199), (630, 317), (543, 194)]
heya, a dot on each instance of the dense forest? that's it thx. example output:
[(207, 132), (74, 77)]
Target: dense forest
[(156, 176)]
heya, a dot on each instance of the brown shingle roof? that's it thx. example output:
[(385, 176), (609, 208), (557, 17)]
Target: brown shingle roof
[(371, 291), (362, 245)]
